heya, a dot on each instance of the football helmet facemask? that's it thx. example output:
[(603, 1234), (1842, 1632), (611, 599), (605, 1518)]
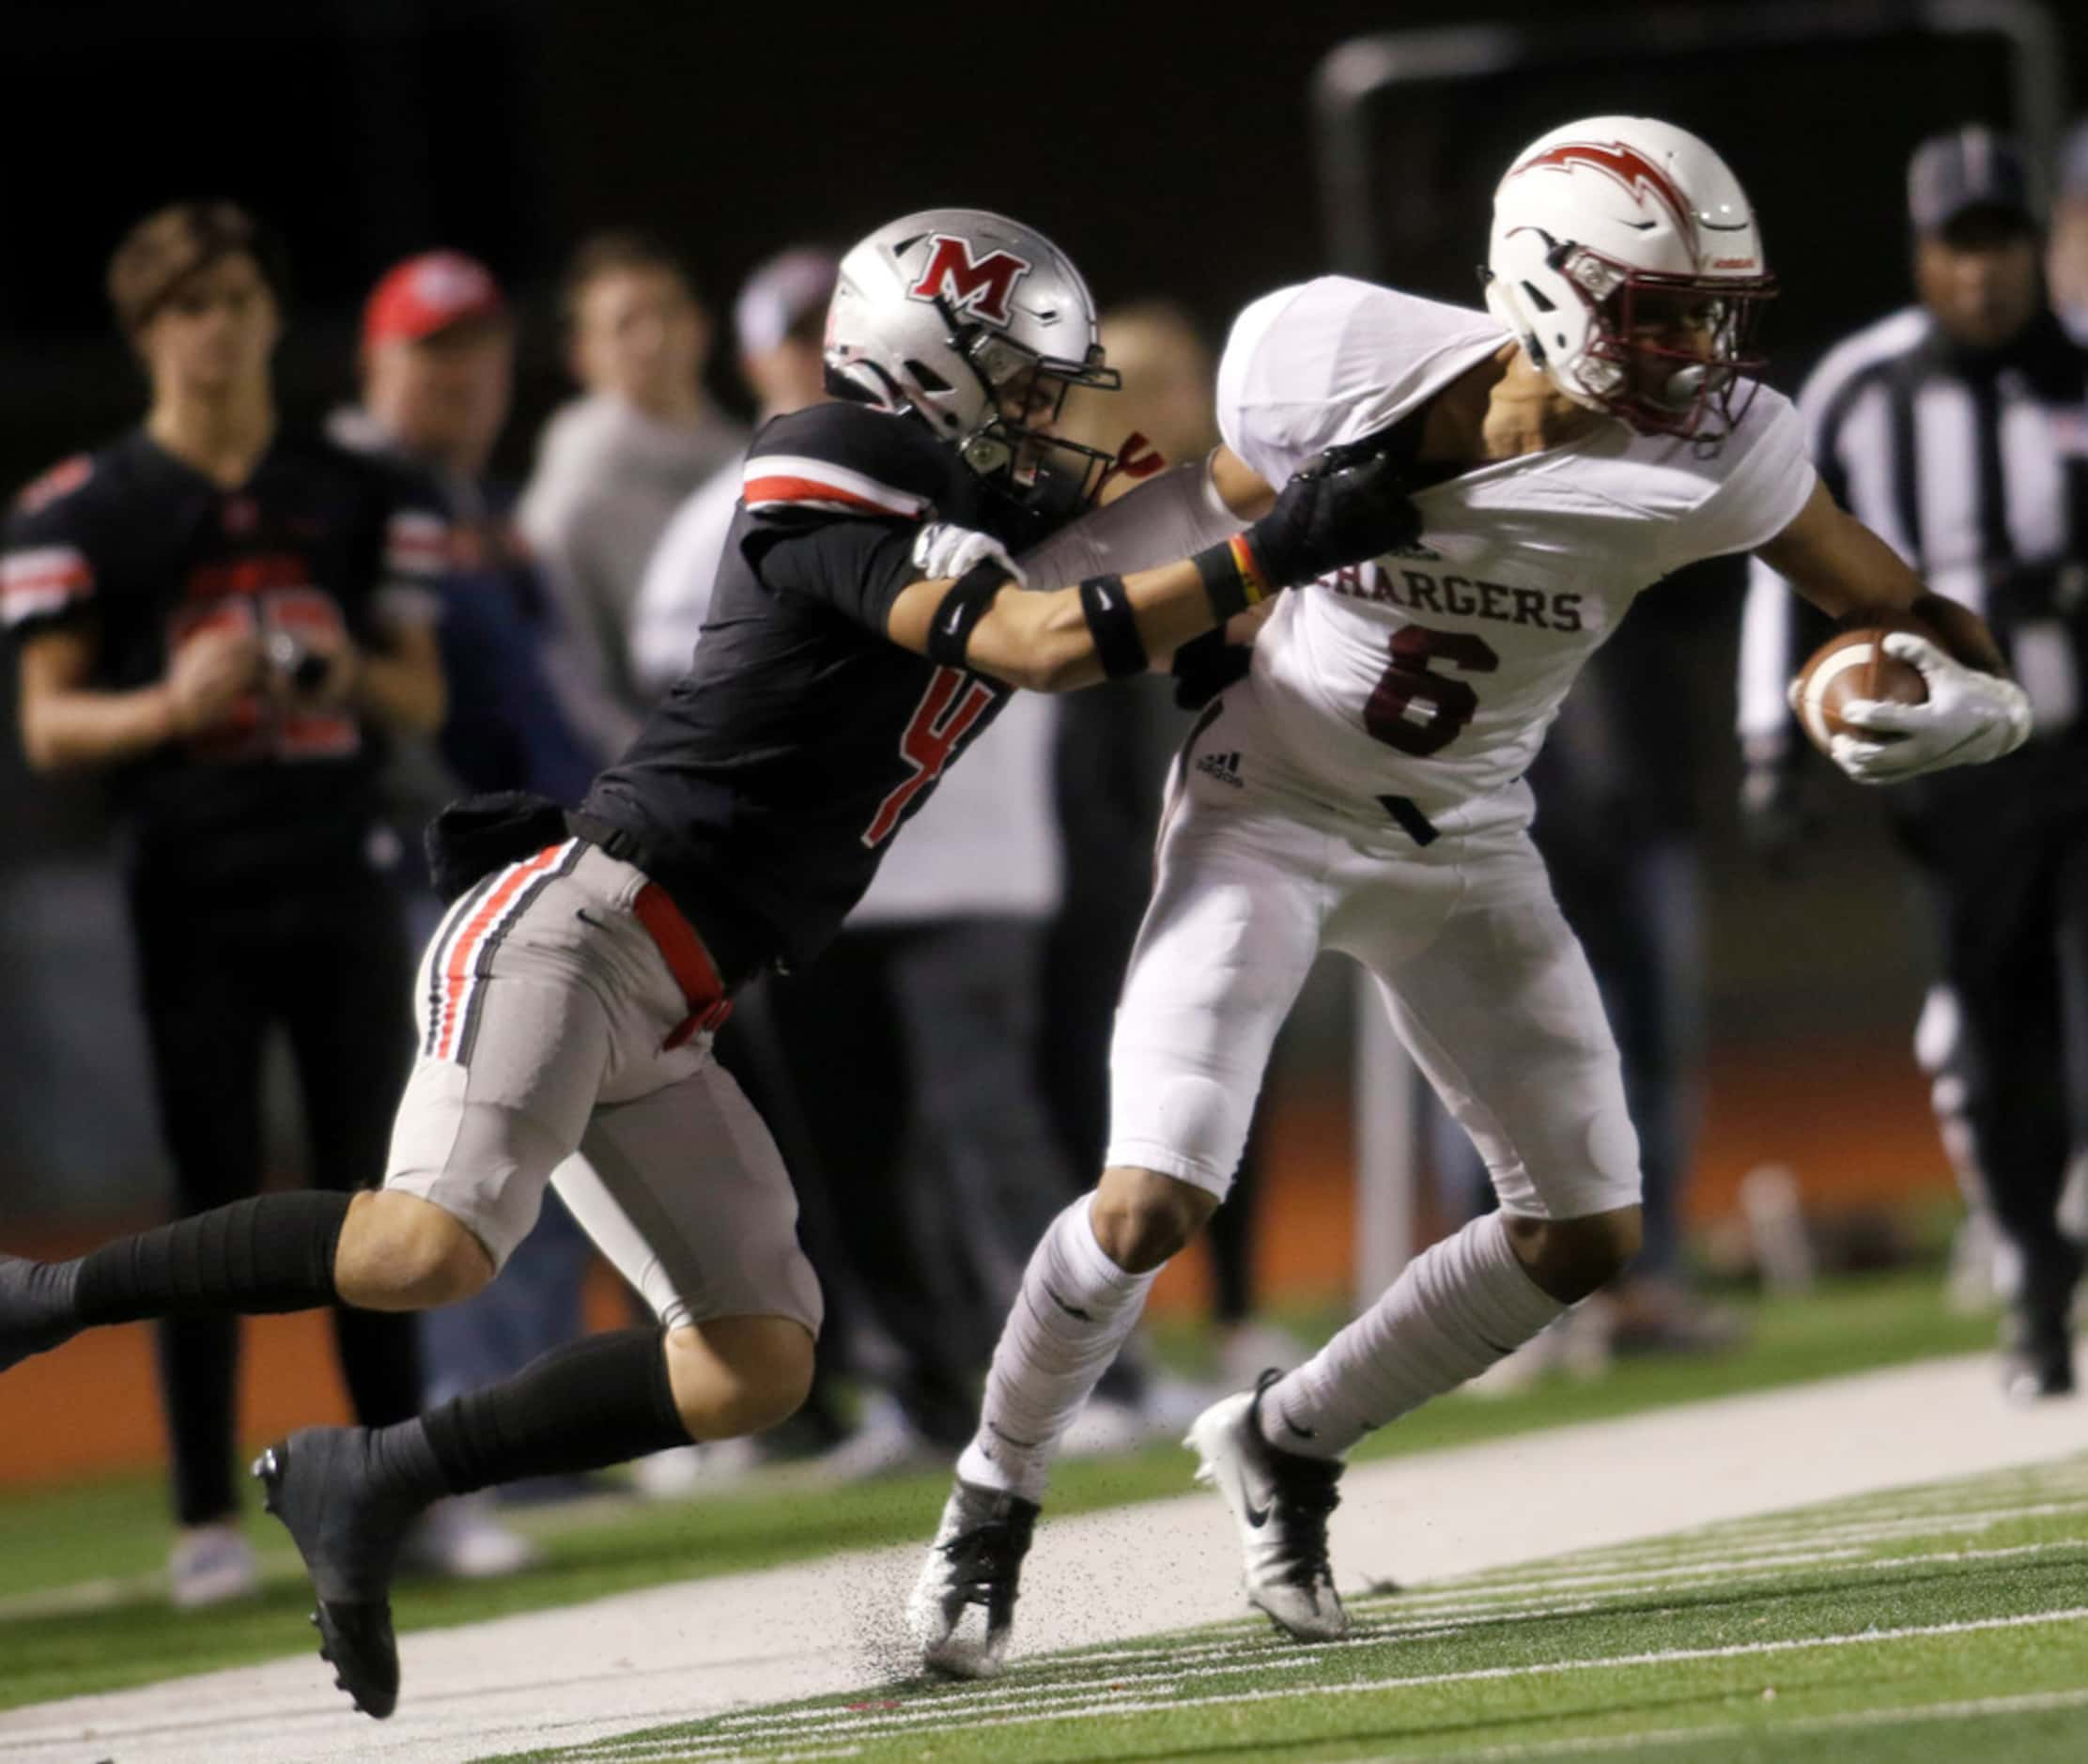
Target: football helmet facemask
[(1626, 259), (979, 326)]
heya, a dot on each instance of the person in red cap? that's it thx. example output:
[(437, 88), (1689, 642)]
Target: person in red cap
[(436, 368), (438, 378), (438, 362)]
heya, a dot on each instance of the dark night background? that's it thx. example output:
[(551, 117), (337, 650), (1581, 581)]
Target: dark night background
[(1169, 148)]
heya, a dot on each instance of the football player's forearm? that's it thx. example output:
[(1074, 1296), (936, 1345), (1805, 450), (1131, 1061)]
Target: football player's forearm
[(1043, 642), (1851, 574), (73, 731), (1174, 515), (1962, 632)]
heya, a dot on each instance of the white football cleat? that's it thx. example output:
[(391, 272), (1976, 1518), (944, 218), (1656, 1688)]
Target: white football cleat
[(964, 1604), (210, 1565), (461, 1537), (1280, 1503)]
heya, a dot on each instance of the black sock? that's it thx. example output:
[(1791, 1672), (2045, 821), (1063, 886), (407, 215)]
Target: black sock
[(273, 1253), (601, 1400)]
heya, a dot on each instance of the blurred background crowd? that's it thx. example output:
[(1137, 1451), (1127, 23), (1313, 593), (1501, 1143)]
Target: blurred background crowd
[(549, 267)]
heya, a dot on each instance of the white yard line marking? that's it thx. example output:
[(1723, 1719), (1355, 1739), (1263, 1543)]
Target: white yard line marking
[(1453, 1620), (1773, 1565), (804, 1723), (1018, 1695), (1976, 1495), (1878, 1446), (1253, 1653), (2029, 1703), (953, 1701), (1680, 1550)]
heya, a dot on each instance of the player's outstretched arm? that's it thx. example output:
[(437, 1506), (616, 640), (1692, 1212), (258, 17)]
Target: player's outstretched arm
[(1973, 711), (1851, 574), (1345, 506)]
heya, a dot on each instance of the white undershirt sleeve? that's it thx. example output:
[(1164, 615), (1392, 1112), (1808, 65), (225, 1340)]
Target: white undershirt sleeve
[(1174, 515)]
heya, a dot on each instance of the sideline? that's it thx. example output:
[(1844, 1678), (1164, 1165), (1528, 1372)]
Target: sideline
[(675, 1653)]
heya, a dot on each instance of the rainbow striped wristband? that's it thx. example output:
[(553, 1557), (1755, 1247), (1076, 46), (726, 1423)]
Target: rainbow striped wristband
[(1232, 577)]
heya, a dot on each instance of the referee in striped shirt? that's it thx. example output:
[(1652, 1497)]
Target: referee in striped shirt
[(1957, 429)]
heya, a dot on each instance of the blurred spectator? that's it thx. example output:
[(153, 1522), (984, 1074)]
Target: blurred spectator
[(616, 463), (437, 368), (1954, 429), (227, 619), (915, 1038), (779, 320), (2066, 257), (438, 373)]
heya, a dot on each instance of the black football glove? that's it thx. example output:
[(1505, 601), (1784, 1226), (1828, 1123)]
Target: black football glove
[(1205, 666), (1344, 507)]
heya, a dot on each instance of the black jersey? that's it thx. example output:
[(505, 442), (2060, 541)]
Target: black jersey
[(767, 783), (139, 550)]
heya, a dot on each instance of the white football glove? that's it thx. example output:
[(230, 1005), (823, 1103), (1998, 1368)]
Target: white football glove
[(1968, 718), (944, 551)]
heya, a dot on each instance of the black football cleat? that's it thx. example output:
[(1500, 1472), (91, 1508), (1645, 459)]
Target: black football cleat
[(317, 1483), (36, 1308), (2037, 1360)]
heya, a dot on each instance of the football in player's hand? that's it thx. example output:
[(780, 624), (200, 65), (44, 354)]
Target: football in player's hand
[(1853, 665)]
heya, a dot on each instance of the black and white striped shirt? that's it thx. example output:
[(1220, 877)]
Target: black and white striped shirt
[(1973, 469)]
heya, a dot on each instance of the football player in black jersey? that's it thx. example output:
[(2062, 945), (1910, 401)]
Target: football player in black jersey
[(868, 622), (227, 617)]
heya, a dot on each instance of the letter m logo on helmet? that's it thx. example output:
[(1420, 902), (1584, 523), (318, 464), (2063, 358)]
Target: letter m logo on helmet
[(981, 287)]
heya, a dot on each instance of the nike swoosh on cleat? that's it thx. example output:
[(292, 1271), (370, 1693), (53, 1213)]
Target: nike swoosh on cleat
[(580, 913), (1071, 1310)]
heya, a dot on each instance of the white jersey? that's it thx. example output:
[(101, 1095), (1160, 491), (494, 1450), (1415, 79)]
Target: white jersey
[(1433, 674)]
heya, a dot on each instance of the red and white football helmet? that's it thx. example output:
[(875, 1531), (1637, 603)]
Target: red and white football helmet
[(1626, 259)]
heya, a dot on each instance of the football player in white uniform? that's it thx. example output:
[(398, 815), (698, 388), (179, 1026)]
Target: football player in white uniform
[(1360, 790)]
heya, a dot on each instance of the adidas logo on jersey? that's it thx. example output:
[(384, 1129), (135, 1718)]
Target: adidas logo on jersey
[(1225, 767)]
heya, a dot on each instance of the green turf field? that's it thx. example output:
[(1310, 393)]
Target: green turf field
[(82, 1608), (1948, 1623)]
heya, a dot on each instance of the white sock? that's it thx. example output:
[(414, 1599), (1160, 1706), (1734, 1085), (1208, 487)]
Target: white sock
[(1456, 1309), (1049, 1358)]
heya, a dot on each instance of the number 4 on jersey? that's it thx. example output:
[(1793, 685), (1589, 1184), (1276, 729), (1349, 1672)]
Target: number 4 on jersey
[(940, 721)]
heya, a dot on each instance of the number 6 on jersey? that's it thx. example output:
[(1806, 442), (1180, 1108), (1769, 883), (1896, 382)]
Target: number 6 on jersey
[(1452, 702)]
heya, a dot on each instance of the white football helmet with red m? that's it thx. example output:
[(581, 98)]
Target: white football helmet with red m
[(1626, 258), (949, 314)]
